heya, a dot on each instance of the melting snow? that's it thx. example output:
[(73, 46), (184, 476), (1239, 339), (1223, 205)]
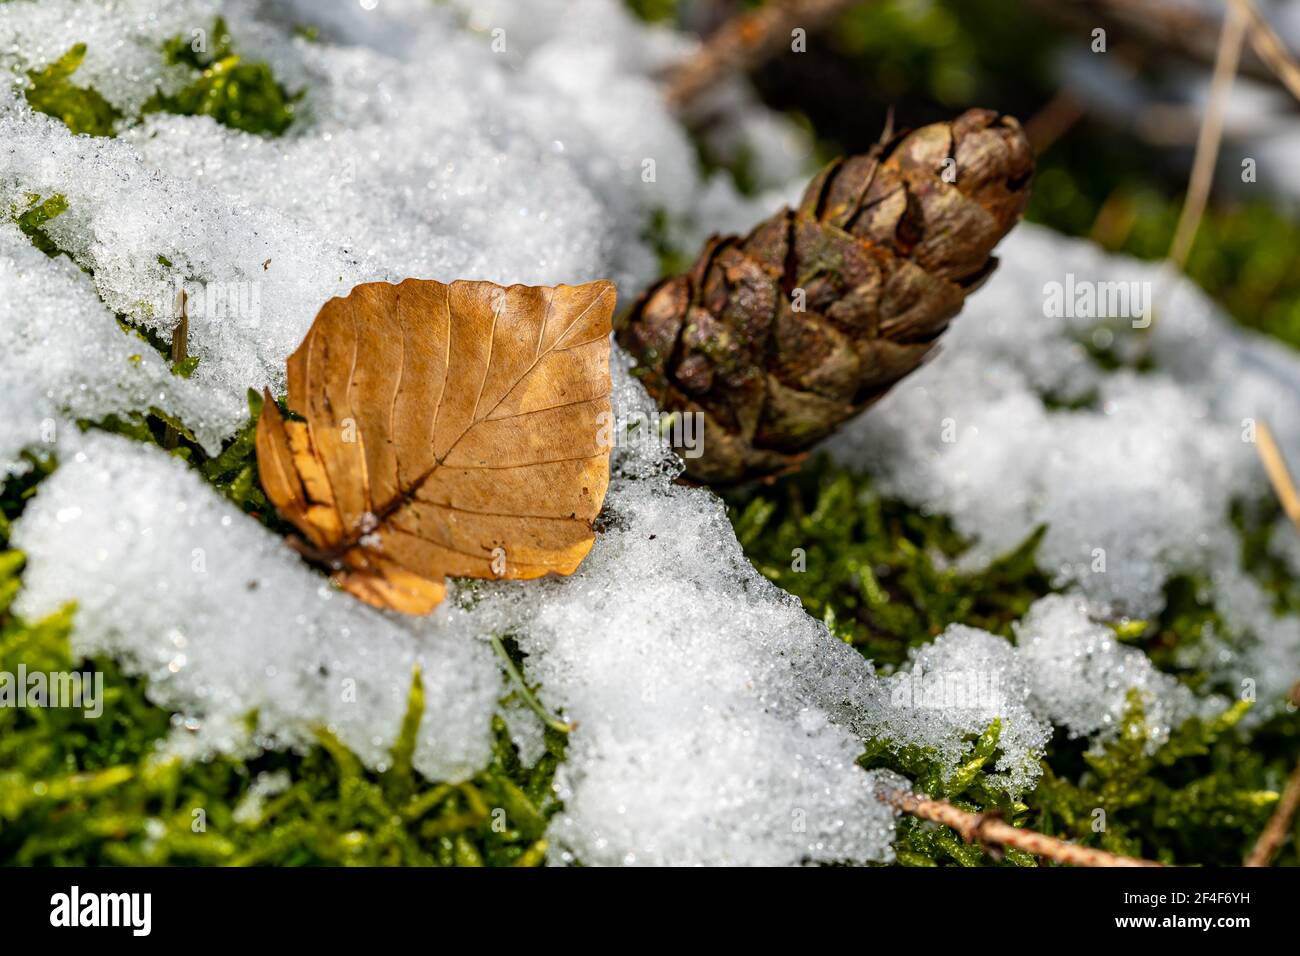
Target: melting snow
[(1134, 487), (717, 722)]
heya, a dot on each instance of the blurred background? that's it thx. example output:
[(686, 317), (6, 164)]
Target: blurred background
[(1113, 94)]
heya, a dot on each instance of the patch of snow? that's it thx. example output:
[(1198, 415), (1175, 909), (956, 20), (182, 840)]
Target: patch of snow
[(224, 619), (1136, 486), (716, 721), (64, 357), (1080, 675), (539, 164), (1065, 670), (952, 690)]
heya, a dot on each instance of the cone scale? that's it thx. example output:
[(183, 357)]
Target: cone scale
[(779, 337)]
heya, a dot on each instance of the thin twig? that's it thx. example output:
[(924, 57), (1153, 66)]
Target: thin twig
[(1268, 46), (1054, 120), (1279, 475), (746, 41), (1161, 26), (1279, 824), (990, 831), (1275, 831), (1207, 143)]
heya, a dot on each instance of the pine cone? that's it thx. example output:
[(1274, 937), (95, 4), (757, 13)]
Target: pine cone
[(779, 337)]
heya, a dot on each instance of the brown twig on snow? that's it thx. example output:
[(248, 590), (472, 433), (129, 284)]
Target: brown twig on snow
[(988, 830), (745, 41)]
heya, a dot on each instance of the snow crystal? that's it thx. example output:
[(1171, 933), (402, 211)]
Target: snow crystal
[(64, 357), (1080, 675), (224, 620), (953, 689), (539, 164), (715, 721), (1015, 426)]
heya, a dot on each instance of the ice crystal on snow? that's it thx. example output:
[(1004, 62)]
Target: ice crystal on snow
[(716, 721), (225, 621), (1134, 474)]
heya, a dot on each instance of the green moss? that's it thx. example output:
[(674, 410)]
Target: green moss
[(50, 90), (881, 576), (653, 11), (878, 573), (955, 53), (185, 367), (32, 220), (234, 471), (234, 92), (1240, 256), (1201, 798), (18, 489), (968, 787), (76, 790), (657, 235)]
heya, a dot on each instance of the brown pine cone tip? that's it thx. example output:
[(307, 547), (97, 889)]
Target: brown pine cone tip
[(779, 337)]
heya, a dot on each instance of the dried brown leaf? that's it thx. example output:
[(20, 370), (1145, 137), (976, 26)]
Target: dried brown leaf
[(446, 430)]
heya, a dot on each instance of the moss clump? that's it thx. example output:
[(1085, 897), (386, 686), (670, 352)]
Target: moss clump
[(76, 790), (14, 494), (967, 787), (1198, 798), (51, 91), (878, 573), (238, 93), (234, 471), (32, 221), (234, 92)]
